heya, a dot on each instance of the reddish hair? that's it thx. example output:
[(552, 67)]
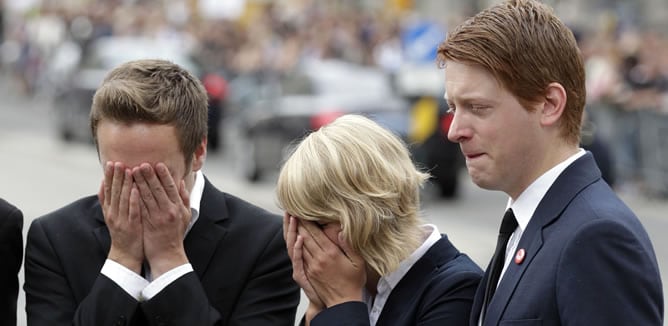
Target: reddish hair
[(526, 47)]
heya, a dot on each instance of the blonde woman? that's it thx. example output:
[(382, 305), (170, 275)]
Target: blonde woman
[(359, 250)]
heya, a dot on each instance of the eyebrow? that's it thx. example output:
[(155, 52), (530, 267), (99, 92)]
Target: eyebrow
[(468, 98)]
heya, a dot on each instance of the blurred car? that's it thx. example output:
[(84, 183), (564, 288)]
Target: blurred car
[(73, 96), (275, 110)]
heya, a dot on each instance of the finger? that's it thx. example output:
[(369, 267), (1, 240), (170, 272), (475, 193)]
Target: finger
[(117, 185), (297, 248), (307, 257), (316, 232), (352, 255), (143, 210), (124, 200), (157, 189), (144, 189), (313, 236), (307, 254), (286, 224), (184, 194), (134, 211), (185, 199), (291, 234), (298, 263), (100, 193), (167, 182), (108, 177), (299, 253)]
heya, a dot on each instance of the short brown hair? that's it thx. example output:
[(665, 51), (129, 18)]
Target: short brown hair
[(526, 47), (154, 91)]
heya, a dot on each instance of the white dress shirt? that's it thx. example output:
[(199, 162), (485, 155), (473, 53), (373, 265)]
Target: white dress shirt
[(142, 288), (388, 282), (528, 201)]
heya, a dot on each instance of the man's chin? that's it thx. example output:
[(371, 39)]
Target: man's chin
[(482, 181)]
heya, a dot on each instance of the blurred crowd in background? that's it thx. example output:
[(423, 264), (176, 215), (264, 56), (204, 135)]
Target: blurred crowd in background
[(627, 65), (264, 36)]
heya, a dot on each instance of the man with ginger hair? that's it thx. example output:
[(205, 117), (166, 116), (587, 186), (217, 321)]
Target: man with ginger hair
[(570, 252)]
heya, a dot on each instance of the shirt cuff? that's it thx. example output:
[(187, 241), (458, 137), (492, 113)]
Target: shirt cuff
[(128, 280), (164, 280)]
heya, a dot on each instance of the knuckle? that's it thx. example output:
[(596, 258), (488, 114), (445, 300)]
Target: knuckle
[(331, 253), (173, 213), (318, 267)]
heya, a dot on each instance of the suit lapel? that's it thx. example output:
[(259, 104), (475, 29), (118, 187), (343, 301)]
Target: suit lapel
[(576, 177), (479, 298), (414, 282), (512, 277), (202, 240), (100, 231)]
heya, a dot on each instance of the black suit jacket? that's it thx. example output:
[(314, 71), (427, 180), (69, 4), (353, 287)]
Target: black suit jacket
[(588, 261), (11, 251), (242, 276), (437, 290)]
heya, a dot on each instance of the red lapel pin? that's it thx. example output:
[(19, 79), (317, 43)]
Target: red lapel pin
[(519, 256)]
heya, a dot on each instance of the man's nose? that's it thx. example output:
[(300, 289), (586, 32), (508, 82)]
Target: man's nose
[(456, 133)]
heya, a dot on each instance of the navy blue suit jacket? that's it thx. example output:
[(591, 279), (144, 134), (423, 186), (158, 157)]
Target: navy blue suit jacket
[(437, 290), (588, 261), (242, 273)]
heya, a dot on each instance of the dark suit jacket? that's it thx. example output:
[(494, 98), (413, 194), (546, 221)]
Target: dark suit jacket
[(11, 252), (437, 290), (242, 276), (588, 261)]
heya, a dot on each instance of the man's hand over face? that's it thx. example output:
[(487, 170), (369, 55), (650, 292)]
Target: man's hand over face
[(165, 212), (334, 270), (120, 206), (298, 273)]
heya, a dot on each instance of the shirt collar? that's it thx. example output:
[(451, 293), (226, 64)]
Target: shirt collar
[(431, 235), (528, 201), (196, 198)]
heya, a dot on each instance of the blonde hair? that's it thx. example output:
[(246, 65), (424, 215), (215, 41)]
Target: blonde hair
[(359, 174)]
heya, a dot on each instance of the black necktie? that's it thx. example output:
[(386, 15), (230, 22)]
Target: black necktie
[(508, 226)]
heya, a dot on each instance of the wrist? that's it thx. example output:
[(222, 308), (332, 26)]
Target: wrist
[(128, 261), (166, 262), (312, 310), (343, 299)]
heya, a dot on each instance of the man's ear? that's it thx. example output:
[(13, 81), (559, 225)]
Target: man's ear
[(199, 156), (554, 103)]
